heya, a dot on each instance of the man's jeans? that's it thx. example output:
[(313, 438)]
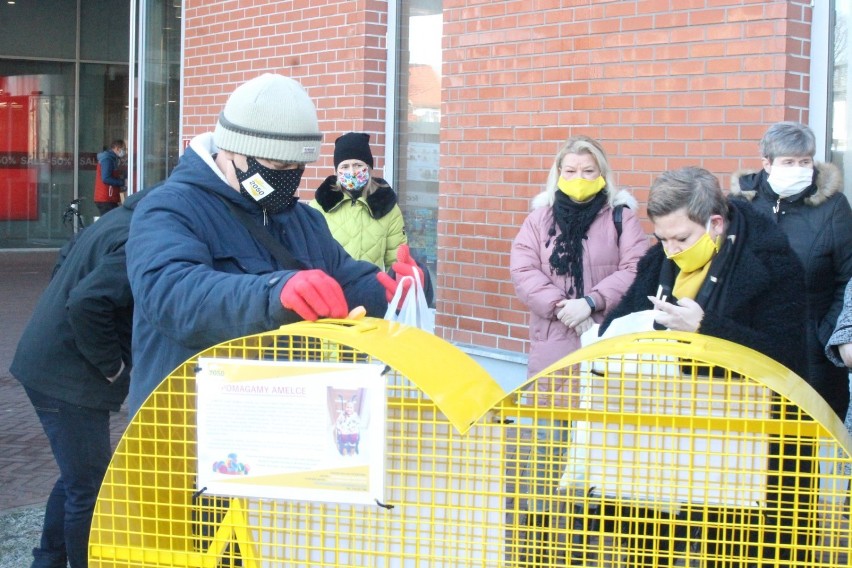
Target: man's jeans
[(80, 440)]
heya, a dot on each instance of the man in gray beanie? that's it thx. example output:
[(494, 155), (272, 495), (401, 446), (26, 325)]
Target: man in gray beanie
[(224, 248)]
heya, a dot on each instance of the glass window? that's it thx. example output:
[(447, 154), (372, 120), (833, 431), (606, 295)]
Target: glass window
[(105, 30), (57, 111), (36, 152), (417, 125), (160, 91), (103, 118), (46, 28), (840, 118)]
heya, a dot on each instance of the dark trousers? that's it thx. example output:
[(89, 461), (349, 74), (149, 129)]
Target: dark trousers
[(80, 440), (105, 207)]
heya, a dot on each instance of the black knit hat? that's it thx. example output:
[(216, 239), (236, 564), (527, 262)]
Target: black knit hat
[(353, 146)]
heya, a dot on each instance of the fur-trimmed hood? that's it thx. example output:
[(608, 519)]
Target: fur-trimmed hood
[(745, 183), (818, 227), (623, 197), (380, 202)]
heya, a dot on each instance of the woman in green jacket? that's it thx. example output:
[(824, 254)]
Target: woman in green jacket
[(361, 210)]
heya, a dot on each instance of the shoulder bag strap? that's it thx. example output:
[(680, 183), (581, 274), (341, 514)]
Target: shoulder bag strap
[(617, 213), (281, 254)]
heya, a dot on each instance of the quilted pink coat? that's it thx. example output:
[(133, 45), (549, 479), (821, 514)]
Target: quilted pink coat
[(609, 267)]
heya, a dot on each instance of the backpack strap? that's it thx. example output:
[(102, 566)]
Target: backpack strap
[(617, 213)]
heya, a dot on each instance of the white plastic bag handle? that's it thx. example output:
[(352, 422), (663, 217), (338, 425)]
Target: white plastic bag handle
[(393, 305), (414, 310)]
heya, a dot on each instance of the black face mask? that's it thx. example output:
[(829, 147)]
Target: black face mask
[(272, 190)]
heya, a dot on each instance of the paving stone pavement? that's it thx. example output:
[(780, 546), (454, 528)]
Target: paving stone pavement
[(27, 469)]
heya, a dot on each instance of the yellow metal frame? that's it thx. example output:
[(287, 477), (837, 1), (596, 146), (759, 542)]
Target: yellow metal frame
[(564, 471)]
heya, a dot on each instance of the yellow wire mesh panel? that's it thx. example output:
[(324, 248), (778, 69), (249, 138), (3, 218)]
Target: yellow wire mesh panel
[(651, 450), (668, 449)]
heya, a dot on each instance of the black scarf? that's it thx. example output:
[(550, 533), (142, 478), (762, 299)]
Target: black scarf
[(573, 220)]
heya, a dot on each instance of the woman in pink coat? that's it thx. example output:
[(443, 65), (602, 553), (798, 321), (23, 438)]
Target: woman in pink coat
[(571, 262)]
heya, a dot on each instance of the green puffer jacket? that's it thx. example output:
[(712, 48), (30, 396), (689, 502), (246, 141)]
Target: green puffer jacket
[(370, 228)]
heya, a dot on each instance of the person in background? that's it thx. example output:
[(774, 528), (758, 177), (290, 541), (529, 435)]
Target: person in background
[(570, 263), (839, 351), (110, 186), (361, 209), (839, 346), (726, 271), (225, 249), (74, 361), (572, 260), (805, 199)]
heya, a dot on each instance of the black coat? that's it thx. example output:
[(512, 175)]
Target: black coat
[(79, 332), (818, 224), (757, 301)]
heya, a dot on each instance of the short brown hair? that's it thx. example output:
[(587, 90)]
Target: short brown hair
[(691, 188)]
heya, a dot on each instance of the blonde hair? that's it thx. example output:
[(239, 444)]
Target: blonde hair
[(579, 144)]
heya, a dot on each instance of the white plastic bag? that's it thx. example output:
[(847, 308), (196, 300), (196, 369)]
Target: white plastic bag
[(635, 322), (631, 323), (414, 310)]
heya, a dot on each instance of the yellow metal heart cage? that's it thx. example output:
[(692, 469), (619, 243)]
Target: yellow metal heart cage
[(647, 450)]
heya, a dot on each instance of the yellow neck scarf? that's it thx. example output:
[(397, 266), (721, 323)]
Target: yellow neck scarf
[(687, 284)]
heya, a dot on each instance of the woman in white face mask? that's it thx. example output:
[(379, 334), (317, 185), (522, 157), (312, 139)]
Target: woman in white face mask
[(806, 199)]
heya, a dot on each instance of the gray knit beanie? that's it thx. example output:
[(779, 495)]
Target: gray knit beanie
[(270, 117)]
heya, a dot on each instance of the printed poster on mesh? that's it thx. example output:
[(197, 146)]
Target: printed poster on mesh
[(291, 430)]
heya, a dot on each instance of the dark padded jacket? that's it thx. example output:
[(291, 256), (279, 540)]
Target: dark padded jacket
[(757, 301), (818, 224), (79, 332)]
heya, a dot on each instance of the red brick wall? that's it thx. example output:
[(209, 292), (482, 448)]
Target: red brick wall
[(662, 84), (336, 50)]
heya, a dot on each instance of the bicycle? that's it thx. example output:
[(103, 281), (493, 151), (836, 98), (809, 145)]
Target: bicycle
[(72, 214)]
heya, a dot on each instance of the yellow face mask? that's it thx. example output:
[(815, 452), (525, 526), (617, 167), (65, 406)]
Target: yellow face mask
[(581, 189), (699, 254)]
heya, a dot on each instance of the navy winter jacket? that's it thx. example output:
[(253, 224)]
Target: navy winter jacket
[(199, 277)]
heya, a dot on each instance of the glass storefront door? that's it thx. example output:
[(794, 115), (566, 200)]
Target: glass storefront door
[(840, 125), (63, 97), (159, 90), (36, 152)]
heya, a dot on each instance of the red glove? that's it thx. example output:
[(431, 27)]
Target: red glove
[(313, 294), (404, 266)]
